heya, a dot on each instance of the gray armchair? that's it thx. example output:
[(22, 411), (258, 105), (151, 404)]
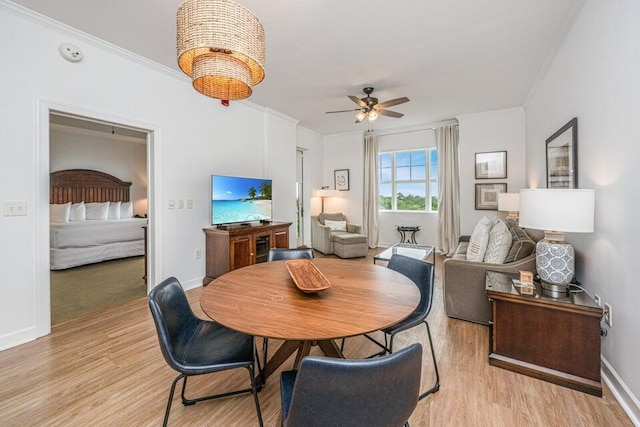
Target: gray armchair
[(324, 240)]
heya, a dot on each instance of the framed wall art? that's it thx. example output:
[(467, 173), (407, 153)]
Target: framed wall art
[(492, 165), (487, 195), (341, 179), (562, 157)]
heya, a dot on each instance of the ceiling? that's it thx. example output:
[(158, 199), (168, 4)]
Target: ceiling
[(450, 57)]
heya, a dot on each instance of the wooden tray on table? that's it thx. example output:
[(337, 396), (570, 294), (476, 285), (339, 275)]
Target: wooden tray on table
[(306, 276)]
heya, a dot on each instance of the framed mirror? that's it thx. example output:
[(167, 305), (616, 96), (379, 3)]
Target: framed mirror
[(562, 157)]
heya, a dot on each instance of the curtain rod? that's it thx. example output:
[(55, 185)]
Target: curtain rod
[(429, 126)]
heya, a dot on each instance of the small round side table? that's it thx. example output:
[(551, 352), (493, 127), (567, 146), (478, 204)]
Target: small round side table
[(403, 229)]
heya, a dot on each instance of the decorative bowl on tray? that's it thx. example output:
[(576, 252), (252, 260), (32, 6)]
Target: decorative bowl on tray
[(306, 276)]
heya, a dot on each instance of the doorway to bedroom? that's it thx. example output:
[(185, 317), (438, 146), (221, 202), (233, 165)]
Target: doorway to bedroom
[(98, 216)]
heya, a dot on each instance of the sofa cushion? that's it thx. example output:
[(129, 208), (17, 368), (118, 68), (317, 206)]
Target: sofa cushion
[(349, 238), (331, 216), (461, 251), (336, 225), (521, 245), (500, 241), (479, 240)]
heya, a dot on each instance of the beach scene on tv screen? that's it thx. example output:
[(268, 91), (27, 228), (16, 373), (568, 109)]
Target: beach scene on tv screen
[(236, 199)]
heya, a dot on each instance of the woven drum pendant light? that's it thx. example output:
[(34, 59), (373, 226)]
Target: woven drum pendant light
[(221, 47)]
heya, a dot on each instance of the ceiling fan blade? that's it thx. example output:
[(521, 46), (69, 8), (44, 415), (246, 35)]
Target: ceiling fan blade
[(393, 102), (343, 111), (390, 113), (358, 101)]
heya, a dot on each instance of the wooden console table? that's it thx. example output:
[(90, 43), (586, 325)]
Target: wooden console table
[(238, 246), (552, 339)]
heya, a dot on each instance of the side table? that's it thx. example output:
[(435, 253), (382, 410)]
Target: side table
[(403, 229), (552, 339)]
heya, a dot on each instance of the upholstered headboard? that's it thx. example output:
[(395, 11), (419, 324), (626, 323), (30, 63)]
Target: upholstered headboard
[(83, 185)]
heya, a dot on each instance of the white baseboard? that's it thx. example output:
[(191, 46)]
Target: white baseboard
[(621, 392), (19, 337), (192, 284)]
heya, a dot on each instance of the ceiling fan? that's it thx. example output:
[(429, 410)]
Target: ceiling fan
[(371, 109)]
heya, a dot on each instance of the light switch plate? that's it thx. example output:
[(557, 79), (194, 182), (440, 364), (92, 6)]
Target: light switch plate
[(15, 208)]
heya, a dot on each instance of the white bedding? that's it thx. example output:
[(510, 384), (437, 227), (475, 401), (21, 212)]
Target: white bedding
[(82, 234), (74, 257)]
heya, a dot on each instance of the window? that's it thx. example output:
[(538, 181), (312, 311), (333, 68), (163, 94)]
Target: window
[(407, 179)]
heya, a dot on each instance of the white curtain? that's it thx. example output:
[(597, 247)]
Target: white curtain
[(370, 226), (448, 188)]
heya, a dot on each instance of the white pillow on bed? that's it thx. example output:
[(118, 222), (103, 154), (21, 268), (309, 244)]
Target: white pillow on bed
[(114, 210), (59, 213), (97, 211), (78, 212), (126, 210)]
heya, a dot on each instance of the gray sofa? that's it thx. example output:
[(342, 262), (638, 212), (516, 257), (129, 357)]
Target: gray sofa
[(345, 244), (464, 281)]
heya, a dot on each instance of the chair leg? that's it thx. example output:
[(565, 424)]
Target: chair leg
[(436, 386), (254, 391), (265, 349), (257, 358), (384, 347), (173, 389)]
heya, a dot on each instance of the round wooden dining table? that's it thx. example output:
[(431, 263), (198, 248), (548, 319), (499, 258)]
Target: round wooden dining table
[(263, 300)]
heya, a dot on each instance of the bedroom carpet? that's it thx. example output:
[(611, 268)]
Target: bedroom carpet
[(79, 291)]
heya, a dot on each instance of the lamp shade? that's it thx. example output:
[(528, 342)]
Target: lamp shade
[(509, 202), (220, 46), (327, 193), (564, 210)]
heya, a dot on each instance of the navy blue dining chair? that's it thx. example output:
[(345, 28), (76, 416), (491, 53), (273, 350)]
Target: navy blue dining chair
[(328, 392), (192, 346)]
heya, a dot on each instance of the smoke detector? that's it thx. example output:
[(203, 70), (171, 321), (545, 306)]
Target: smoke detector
[(70, 52)]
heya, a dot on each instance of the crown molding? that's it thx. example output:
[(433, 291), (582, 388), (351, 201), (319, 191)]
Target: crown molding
[(47, 22)]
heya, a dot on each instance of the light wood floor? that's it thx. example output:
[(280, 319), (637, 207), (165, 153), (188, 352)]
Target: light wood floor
[(107, 370)]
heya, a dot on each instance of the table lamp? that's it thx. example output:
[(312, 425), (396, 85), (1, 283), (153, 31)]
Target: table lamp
[(509, 202), (556, 211), (325, 192)]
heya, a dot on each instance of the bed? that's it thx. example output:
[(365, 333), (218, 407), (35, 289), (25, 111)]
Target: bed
[(91, 219)]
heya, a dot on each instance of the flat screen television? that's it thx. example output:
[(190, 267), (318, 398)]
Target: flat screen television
[(237, 199)]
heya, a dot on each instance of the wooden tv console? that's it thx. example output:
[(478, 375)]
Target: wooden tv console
[(236, 246)]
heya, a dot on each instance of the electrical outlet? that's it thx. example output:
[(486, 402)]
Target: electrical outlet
[(197, 254), (189, 203), (180, 204), (172, 204), (597, 299), (608, 314)]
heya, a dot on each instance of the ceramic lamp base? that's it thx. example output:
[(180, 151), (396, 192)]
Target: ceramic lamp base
[(555, 262)]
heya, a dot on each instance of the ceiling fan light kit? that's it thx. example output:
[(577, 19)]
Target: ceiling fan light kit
[(220, 46), (371, 109)]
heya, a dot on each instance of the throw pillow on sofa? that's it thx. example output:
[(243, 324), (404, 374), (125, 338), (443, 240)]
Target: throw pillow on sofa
[(479, 240), (521, 246), (500, 241)]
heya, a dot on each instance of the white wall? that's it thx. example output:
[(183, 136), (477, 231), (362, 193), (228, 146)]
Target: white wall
[(344, 151), (83, 149), (280, 161), (195, 137), (311, 144), (594, 77), (428, 222), (501, 130)]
